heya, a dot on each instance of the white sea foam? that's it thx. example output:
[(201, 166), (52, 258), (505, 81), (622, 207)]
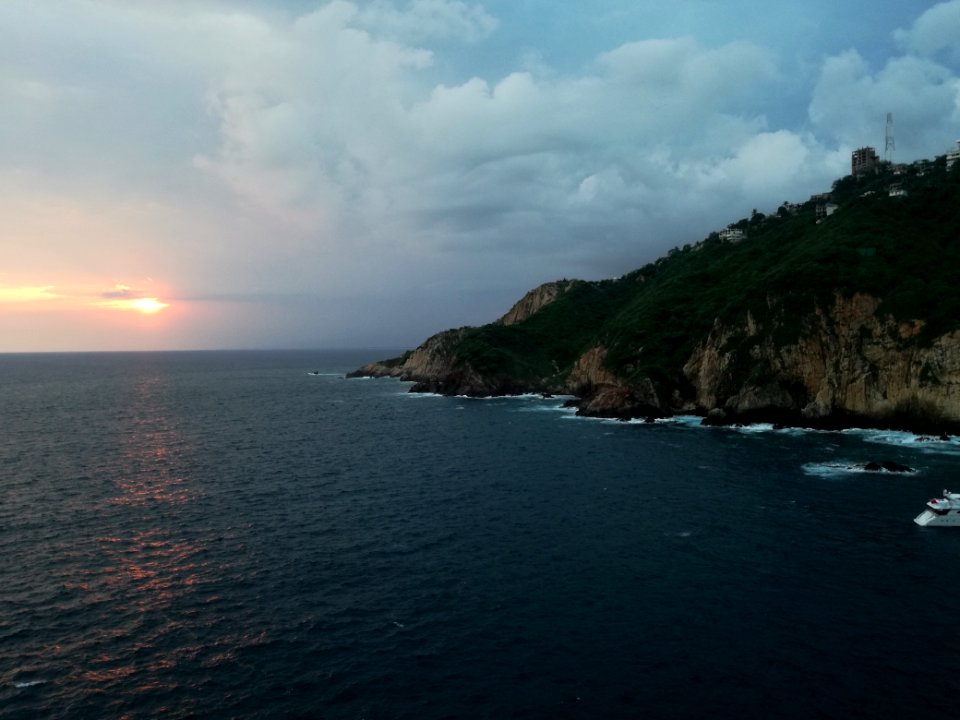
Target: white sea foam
[(845, 467), (408, 394), (923, 443), (28, 683), (588, 418), (547, 406), (755, 428), (896, 438), (831, 469), (760, 428), (685, 420), (798, 431), (523, 396), (885, 437)]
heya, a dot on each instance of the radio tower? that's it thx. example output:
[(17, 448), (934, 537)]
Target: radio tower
[(889, 145)]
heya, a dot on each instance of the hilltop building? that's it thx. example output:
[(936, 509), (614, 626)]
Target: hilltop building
[(863, 160), (954, 155)]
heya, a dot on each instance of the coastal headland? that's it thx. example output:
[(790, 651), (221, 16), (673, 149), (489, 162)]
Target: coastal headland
[(841, 311)]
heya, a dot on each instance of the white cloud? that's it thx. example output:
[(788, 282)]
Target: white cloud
[(683, 69), (766, 162), (935, 30), (337, 130)]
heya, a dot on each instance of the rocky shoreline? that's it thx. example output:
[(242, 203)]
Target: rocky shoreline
[(613, 406)]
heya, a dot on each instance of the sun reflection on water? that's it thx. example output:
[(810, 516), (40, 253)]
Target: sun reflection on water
[(151, 566), (151, 446)]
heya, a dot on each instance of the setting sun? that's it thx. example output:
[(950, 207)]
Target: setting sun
[(124, 297), (148, 305), (145, 305)]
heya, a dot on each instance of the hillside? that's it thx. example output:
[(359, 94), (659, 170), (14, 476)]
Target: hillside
[(801, 318)]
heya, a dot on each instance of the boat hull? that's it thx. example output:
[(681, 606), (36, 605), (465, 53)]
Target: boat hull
[(929, 518)]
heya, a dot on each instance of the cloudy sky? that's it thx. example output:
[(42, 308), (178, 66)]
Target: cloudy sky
[(184, 174)]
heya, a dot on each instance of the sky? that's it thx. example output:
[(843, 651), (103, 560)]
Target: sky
[(327, 174)]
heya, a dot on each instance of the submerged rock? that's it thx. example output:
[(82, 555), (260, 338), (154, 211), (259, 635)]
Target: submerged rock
[(887, 466)]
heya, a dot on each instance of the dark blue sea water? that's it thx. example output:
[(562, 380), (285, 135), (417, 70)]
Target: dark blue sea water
[(222, 535)]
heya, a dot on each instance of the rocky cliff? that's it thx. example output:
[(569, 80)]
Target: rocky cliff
[(535, 300), (602, 393), (852, 362)]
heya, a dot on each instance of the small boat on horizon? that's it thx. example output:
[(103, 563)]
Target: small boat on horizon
[(941, 511)]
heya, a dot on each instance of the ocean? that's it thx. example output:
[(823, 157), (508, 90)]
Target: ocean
[(223, 535)]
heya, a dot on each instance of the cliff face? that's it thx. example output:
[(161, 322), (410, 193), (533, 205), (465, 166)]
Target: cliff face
[(432, 360), (535, 300), (604, 394), (849, 361)]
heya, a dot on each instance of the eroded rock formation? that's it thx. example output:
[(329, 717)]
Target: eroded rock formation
[(847, 361)]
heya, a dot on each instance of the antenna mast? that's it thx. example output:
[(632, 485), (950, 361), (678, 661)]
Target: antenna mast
[(889, 145)]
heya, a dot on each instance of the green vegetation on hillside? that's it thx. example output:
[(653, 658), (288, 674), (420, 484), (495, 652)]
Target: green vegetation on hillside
[(547, 343), (904, 250)]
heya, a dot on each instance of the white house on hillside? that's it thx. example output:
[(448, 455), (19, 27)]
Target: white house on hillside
[(733, 235)]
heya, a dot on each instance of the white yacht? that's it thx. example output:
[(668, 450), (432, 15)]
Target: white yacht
[(941, 511)]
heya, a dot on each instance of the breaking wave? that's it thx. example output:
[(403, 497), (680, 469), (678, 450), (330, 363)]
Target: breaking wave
[(845, 467)]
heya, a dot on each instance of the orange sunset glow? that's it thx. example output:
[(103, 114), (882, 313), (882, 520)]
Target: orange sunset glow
[(60, 298), (56, 312), (26, 294), (124, 297)]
